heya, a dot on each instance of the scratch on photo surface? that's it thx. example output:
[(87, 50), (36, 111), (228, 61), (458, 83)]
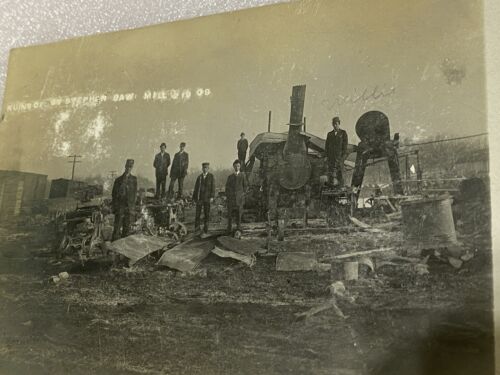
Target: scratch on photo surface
[(424, 76), (49, 73)]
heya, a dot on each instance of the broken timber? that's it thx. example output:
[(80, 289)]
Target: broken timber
[(244, 247), (238, 249), (364, 253), (249, 260), (187, 256), (137, 246)]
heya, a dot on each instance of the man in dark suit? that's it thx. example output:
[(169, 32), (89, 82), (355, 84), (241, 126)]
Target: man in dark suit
[(179, 170), (124, 196), (336, 151), (242, 150), (161, 164), (203, 195), (236, 186)]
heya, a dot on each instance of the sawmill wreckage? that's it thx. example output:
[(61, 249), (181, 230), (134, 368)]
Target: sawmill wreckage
[(292, 194), (289, 174), (314, 256)]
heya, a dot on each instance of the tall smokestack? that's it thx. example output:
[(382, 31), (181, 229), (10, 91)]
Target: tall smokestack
[(295, 142), (296, 170)]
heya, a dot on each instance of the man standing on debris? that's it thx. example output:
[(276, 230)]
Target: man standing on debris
[(124, 196), (203, 195), (161, 164), (242, 150), (178, 170), (236, 187), (336, 151)]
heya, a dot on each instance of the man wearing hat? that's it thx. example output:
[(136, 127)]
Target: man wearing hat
[(161, 164), (336, 151), (203, 195), (242, 150), (124, 196), (236, 186), (179, 170)]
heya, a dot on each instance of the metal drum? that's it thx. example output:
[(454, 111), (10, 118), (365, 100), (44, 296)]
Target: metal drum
[(428, 223)]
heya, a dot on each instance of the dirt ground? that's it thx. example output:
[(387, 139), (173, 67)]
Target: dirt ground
[(228, 318)]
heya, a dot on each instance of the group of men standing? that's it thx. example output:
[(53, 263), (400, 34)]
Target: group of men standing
[(204, 194), (125, 186), (178, 171), (124, 192)]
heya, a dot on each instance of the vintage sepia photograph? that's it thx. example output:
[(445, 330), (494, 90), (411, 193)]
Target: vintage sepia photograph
[(298, 188)]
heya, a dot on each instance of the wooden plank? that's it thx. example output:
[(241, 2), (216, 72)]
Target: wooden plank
[(249, 260), (187, 256), (364, 253), (296, 261), (137, 246), (359, 223), (242, 246)]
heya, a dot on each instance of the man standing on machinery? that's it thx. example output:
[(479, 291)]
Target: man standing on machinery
[(161, 164), (242, 147), (178, 171), (336, 151)]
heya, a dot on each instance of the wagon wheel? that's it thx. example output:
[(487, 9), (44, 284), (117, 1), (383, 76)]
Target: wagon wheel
[(85, 247), (63, 246), (95, 240)]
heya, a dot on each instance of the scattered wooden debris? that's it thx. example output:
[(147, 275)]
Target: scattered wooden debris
[(63, 275), (137, 246), (296, 261), (359, 223), (187, 256), (247, 259), (327, 305), (366, 252), (421, 269), (367, 262), (351, 271), (467, 256), (457, 263), (241, 246), (337, 292), (323, 267)]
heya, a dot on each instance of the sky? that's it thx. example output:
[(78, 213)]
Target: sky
[(203, 81)]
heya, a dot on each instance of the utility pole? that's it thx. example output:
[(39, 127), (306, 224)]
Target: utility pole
[(74, 161)]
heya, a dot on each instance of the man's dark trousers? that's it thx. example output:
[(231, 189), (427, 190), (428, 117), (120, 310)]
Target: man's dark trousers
[(161, 182), (237, 211), (180, 183), (206, 215), (241, 157), (122, 222), (336, 169)]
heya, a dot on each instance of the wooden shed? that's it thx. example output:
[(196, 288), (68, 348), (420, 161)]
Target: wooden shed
[(18, 191)]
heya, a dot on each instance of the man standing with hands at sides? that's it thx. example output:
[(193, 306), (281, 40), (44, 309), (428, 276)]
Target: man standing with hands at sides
[(161, 164), (203, 195), (178, 170), (336, 151), (124, 196), (236, 186), (242, 150)]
